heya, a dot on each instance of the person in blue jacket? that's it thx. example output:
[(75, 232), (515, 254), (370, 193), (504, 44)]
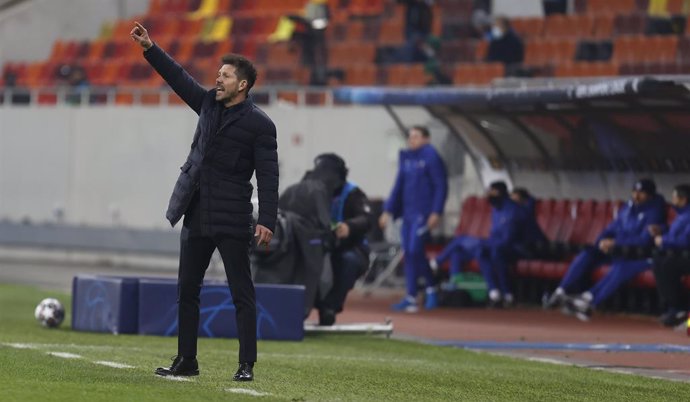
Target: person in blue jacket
[(670, 266), (634, 226), (531, 233), (418, 196), (498, 251), (462, 249)]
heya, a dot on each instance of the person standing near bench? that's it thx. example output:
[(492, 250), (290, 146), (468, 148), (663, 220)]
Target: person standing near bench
[(233, 139), (418, 196)]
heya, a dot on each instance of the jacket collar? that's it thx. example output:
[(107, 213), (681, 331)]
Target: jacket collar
[(238, 111)]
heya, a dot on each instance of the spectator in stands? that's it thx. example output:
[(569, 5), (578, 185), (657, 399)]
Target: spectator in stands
[(311, 32), (351, 219), (505, 45), (499, 250), (418, 196), (235, 137), (643, 215), (419, 16), (670, 265)]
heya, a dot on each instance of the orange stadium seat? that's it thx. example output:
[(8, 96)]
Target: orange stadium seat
[(361, 74), (406, 75), (477, 74), (603, 26), (392, 32), (580, 26), (611, 6), (528, 27)]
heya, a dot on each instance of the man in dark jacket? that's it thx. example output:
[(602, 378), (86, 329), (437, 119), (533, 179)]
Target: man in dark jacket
[(645, 212), (233, 138), (351, 219), (505, 46)]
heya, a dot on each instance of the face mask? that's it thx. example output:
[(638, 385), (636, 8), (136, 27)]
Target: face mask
[(496, 32), (495, 201)]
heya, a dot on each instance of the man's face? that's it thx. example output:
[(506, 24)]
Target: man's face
[(639, 197), (678, 201), (416, 139), (516, 197), (228, 86)]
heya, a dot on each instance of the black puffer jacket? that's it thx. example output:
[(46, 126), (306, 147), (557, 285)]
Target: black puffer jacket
[(222, 158)]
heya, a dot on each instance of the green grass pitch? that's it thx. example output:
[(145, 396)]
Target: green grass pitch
[(321, 368)]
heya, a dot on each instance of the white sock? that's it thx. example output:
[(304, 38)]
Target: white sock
[(411, 299), (559, 291), (430, 290), (508, 297), (587, 296), (494, 295), (433, 264)]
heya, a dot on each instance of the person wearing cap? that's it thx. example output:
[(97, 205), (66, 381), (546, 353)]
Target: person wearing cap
[(418, 197), (670, 266), (498, 251), (641, 217), (351, 219)]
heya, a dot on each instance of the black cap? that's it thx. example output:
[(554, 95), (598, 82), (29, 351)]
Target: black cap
[(646, 186), (332, 162)]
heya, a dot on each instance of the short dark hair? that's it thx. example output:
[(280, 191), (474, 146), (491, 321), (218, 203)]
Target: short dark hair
[(522, 192), (333, 162), (244, 69), (422, 129), (683, 191), (500, 186)]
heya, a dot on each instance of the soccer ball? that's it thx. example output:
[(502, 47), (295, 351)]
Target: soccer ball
[(50, 313)]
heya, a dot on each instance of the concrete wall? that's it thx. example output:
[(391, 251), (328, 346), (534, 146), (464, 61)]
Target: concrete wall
[(29, 29), (117, 165)]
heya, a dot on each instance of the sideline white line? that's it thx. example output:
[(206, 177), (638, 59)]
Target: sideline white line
[(113, 364), (174, 378), (247, 392), (65, 355), (20, 345)]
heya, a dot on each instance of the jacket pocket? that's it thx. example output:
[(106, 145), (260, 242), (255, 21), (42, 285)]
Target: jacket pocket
[(185, 168)]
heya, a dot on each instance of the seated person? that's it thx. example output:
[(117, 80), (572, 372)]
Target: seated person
[(463, 248), (644, 213), (670, 267), (505, 45), (498, 251), (351, 219), (532, 235)]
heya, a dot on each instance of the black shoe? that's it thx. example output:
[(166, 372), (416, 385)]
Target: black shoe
[(673, 318), (180, 367), (326, 317), (244, 373)]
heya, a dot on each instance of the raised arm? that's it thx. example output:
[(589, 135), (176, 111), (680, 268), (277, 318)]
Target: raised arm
[(179, 80)]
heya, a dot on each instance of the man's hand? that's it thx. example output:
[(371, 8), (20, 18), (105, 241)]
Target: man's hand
[(606, 245), (383, 220), (342, 231), (659, 241), (141, 36), (654, 230), (262, 235), (433, 220)]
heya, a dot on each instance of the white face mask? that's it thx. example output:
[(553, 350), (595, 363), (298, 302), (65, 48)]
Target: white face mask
[(496, 32)]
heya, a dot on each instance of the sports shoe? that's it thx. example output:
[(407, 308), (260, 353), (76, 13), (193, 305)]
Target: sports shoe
[(431, 301), (433, 265), (580, 307), (557, 298), (673, 318), (407, 304), (508, 300)]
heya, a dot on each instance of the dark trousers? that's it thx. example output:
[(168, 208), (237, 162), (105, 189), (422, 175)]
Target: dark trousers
[(668, 272), (348, 265), (195, 254)]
